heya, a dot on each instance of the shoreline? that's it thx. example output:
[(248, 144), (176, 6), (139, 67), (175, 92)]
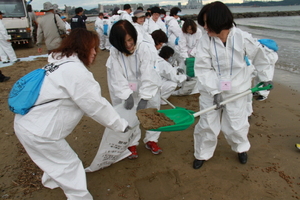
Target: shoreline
[(287, 79)]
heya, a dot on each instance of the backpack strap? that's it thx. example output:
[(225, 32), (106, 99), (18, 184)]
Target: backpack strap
[(51, 69)]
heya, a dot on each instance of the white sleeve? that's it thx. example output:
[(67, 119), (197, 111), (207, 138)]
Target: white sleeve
[(183, 46), (169, 72), (257, 55), (118, 81), (150, 78), (163, 26), (3, 32), (198, 36)]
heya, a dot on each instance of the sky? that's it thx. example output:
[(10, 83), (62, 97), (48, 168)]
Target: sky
[(89, 4)]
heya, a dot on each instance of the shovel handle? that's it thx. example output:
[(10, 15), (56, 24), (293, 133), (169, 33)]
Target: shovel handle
[(255, 89), (222, 103), (168, 102)]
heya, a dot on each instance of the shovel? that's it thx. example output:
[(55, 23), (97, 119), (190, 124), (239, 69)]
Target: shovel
[(184, 119), (176, 107)]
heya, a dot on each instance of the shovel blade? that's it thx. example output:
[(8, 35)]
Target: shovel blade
[(181, 117)]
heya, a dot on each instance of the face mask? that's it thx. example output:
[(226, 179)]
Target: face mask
[(162, 16)]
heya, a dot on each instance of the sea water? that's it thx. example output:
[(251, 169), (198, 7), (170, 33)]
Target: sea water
[(286, 32)]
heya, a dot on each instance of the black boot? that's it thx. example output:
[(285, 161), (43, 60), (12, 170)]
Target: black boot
[(197, 163), (3, 78), (243, 157)]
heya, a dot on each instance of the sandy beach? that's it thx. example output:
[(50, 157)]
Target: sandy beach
[(270, 173)]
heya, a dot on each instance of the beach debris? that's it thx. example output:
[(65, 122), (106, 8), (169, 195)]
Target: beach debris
[(150, 118)]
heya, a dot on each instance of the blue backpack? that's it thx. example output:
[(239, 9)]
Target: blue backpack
[(271, 44), (26, 90), (105, 29)]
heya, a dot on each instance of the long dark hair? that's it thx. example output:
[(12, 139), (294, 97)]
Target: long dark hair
[(218, 17), (80, 41), (117, 35)]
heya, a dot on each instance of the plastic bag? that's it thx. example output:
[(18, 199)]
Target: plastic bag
[(114, 145)]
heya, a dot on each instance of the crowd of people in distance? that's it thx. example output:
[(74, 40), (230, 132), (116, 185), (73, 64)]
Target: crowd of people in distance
[(148, 52)]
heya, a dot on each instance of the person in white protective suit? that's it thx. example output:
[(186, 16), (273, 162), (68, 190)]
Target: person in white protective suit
[(114, 15), (138, 21), (67, 93), (106, 30), (174, 33), (189, 39), (133, 79), (67, 25), (222, 72), (99, 30), (6, 50), (125, 13), (155, 22), (191, 35), (160, 38), (171, 76), (270, 48)]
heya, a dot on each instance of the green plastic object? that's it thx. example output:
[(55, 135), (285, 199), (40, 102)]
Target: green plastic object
[(181, 117), (259, 88), (189, 62)]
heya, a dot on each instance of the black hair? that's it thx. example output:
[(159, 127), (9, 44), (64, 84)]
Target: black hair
[(134, 19), (118, 32), (174, 11), (29, 8), (187, 23), (126, 7), (115, 11), (78, 10), (166, 52), (147, 14), (218, 17), (162, 11), (155, 9), (140, 8), (159, 37)]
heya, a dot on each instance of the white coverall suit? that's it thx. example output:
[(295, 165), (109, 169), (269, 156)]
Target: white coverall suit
[(99, 30), (136, 75), (174, 34), (188, 43), (150, 25), (215, 62), (6, 50), (42, 131), (170, 78)]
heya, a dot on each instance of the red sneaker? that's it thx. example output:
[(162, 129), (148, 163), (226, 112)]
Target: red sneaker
[(155, 149), (134, 154)]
